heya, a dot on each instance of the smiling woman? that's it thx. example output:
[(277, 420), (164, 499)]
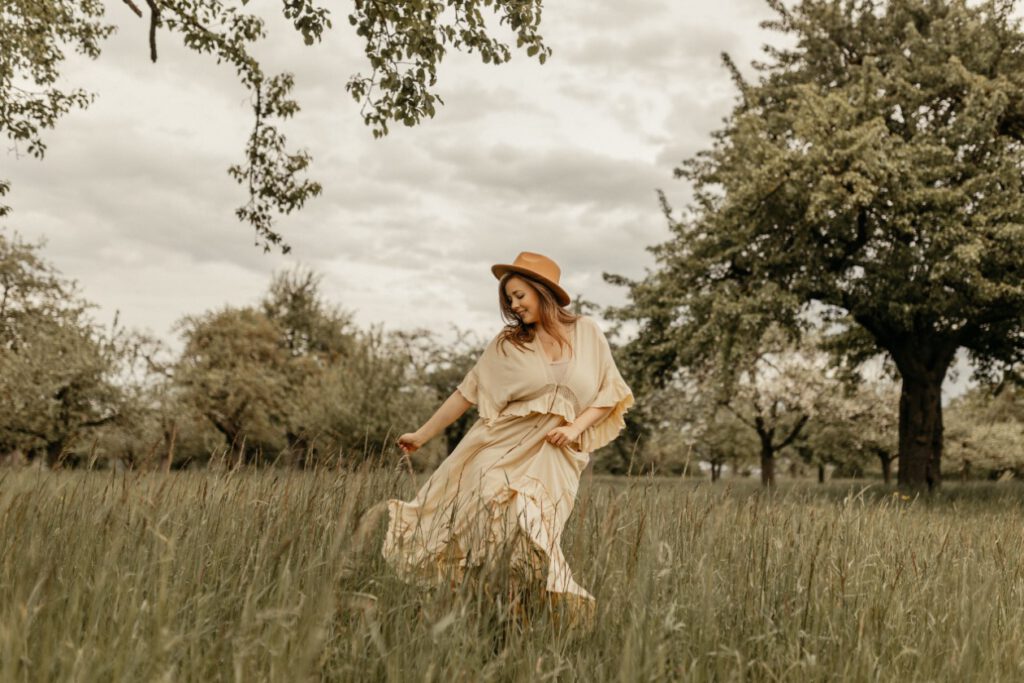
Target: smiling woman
[(501, 499)]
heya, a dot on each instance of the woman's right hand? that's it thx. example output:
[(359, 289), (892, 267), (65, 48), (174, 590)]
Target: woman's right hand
[(410, 442)]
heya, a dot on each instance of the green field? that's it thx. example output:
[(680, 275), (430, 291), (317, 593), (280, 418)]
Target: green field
[(257, 575)]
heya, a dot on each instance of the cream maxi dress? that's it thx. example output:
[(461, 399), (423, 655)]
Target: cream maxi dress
[(504, 486)]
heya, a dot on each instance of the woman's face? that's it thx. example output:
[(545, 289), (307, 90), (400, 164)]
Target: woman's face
[(523, 299)]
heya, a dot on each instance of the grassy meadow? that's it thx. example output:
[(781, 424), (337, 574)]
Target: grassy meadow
[(260, 575)]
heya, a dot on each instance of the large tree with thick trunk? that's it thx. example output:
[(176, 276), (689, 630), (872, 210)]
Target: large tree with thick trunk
[(870, 178)]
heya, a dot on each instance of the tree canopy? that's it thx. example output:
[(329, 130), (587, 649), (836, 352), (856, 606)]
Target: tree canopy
[(404, 44), (59, 370), (869, 180), (986, 431)]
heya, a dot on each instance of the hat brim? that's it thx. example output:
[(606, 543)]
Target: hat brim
[(561, 296)]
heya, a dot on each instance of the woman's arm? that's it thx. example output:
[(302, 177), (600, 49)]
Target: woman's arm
[(450, 411), (566, 434)]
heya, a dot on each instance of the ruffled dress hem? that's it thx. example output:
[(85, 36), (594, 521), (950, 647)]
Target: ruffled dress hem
[(454, 556)]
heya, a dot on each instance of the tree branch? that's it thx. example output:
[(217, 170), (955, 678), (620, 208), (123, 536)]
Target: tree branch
[(134, 8), (794, 433), (27, 432), (739, 416), (154, 21), (100, 421)]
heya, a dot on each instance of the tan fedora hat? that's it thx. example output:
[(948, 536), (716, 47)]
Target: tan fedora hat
[(536, 266)]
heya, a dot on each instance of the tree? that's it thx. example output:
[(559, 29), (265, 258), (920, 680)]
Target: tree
[(857, 423), (58, 369), (775, 391), (311, 326), (56, 384), (662, 434), (876, 422), (353, 409), (824, 443), (404, 43), (158, 427), (684, 421), (236, 371), (986, 431), (870, 181), (348, 388), (292, 378), (759, 402), (441, 367), (721, 439)]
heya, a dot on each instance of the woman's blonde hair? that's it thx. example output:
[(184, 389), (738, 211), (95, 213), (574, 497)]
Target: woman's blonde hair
[(519, 333)]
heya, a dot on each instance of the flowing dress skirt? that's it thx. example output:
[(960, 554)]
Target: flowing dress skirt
[(503, 487)]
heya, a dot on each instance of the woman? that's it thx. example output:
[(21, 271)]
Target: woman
[(548, 393)]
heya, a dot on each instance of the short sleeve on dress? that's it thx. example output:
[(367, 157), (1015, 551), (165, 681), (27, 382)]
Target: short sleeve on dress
[(478, 385), (613, 393), (469, 387)]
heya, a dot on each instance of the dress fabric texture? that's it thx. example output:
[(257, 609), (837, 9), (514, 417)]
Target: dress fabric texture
[(504, 486)]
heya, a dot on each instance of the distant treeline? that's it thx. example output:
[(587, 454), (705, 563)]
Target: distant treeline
[(292, 381), (288, 380)]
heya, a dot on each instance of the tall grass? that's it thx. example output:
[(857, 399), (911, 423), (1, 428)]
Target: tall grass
[(259, 575)]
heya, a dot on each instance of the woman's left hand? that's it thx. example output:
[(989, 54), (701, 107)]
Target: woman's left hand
[(562, 436)]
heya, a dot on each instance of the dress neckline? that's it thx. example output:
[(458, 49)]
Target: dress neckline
[(547, 362), (539, 346)]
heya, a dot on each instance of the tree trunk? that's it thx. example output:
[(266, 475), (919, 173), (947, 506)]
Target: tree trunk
[(922, 358), (821, 473), (767, 464), (716, 471), (54, 454), (233, 459), (170, 438), (886, 460), (921, 430)]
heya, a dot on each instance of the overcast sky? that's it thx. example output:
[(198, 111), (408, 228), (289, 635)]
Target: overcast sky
[(135, 203)]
